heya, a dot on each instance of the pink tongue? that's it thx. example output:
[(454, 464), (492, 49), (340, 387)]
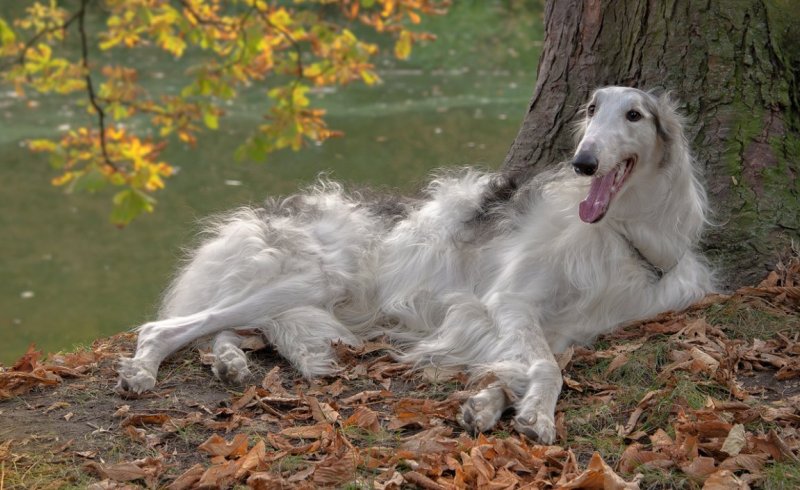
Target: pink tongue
[(596, 203)]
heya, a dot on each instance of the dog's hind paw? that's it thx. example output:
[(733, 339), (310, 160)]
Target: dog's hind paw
[(134, 377), (230, 367), (538, 428)]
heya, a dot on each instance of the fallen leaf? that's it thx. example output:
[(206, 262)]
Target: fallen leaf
[(145, 419), (699, 468), (421, 481), (724, 480), (218, 476), (188, 479), (600, 476), (735, 440), (251, 460), (364, 418), (116, 472), (308, 431), (217, 446)]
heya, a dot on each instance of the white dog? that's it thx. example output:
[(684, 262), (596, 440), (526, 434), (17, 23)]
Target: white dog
[(480, 275)]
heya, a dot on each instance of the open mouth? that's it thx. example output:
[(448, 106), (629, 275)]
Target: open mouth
[(603, 189)]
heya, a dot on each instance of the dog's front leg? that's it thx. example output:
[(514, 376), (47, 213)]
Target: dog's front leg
[(528, 376), (536, 410)]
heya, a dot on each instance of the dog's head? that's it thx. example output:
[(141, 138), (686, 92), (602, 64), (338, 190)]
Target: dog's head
[(625, 136)]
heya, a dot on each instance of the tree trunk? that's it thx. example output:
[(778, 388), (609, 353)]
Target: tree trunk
[(734, 64)]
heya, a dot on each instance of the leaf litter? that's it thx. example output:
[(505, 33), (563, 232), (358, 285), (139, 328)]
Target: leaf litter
[(680, 400)]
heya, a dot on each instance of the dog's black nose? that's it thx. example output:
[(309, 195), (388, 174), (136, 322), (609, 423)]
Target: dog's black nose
[(585, 163)]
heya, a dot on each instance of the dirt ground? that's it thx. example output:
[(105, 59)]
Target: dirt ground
[(707, 398)]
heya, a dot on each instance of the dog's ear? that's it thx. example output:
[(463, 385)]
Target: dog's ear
[(669, 123)]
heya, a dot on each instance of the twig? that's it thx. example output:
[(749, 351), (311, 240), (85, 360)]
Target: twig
[(28, 45), (101, 115), (297, 49)]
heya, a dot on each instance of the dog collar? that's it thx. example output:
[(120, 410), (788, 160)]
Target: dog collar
[(657, 271)]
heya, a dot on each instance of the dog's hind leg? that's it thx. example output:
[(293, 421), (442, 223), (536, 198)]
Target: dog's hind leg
[(303, 336), (230, 362), (161, 338)]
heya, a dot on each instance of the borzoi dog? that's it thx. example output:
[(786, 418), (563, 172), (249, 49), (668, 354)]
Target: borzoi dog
[(480, 275)]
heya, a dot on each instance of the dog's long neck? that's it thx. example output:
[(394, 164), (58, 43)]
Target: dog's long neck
[(662, 219)]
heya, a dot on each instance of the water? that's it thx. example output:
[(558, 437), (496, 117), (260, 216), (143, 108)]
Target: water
[(67, 276)]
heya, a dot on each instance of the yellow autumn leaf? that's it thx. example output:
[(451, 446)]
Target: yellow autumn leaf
[(402, 48)]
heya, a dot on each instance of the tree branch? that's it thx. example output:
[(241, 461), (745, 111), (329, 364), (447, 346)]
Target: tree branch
[(294, 44), (101, 115)]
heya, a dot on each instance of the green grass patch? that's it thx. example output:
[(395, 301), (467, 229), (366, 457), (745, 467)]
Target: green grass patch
[(742, 321), (782, 476), (653, 478)]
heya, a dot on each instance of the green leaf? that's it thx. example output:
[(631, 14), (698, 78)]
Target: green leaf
[(92, 181), (129, 204), (210, 119), (402, 48), (6, 34)]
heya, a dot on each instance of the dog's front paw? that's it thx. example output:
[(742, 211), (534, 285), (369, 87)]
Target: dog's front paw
[(537, 427), (230, 367), (134, 377), (481, 412)]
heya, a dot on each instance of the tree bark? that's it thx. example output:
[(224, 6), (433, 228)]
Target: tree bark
[(734, 64)]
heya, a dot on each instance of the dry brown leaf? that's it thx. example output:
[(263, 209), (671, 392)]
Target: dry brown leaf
[(421, 481), (217, 446), (321, 411), (117, 471), (266, 481), (366, 397), (29, 361), (251, 460), (218, 476), (753, 463), (56, 406), (699, 468), (633, 457), (600, 476), (188, 479), (336, 470), (735, 440), (5, 449), (122, 412), (136, 434), (620, 360), (108, 485), (660, 439), (364, 418), (724, 480), (704, 361), (243, 400), (145, 419), (273, 384), (435, 440), (317, 431)]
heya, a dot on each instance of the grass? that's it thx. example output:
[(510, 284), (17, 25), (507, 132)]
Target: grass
[(782, 476), (369, 438), (742, 321), (42, 470), (666, 479)]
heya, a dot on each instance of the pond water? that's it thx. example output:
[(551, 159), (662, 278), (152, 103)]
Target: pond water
[(67, 276)]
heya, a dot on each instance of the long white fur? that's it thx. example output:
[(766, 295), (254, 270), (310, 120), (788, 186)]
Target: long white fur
[(496, 296)]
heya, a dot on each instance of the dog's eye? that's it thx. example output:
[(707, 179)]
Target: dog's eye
[(633, 116), (590, 110)]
